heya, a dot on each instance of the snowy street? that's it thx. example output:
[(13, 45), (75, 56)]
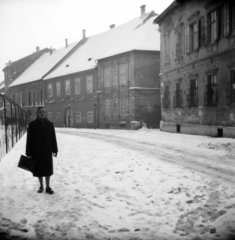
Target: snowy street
[(123, 185)]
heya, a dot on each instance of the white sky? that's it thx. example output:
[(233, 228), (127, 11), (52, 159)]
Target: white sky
[(25, 24)]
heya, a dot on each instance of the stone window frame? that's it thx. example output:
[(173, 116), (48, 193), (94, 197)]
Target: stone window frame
[(179, 31), (191, 37)]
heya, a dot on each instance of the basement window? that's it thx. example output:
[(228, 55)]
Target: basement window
[(220, 132)]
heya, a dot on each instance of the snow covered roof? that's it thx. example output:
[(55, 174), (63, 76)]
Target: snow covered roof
[(43, 65), (137, 34)]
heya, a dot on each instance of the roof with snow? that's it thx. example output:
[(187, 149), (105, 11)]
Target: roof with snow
[(43, 65), (137, 34)]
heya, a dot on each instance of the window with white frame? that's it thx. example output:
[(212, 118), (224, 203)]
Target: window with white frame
[(77, 85), (50, 116), (107, 77), (89, 84), (50, 93), (90, 117), (78, 117), (107, 107), (123, 74), (123, 106), (58, 89), (67, 87)]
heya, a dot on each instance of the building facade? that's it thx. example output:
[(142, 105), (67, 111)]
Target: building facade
[(71, 99), (198, 67), (107, 80), (128, 89), (14, 69)]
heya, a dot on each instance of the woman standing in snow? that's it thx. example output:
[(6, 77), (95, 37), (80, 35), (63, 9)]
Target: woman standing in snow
[(40, 145)]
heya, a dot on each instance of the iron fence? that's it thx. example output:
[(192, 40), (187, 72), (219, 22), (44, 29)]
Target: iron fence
[(13, 124)]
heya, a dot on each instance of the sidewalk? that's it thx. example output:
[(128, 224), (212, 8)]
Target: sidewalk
[(106, 192)]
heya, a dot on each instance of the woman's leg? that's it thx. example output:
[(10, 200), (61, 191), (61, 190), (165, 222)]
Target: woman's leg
[(40, 190), (48, 189), (47, 181), (40, 181)]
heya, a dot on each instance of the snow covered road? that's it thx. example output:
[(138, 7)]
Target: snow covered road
[(116, 184)]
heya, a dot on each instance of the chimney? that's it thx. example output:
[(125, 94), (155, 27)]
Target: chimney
[(66, 43), (84, 34), (112, 26), (37, 49), (142, 10)]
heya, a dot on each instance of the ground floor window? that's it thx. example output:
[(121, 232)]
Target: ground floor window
[(193, 93), (107, 109), (123, 106), (78, 117), (212, 90), (90, 117), (166, 97), (178, 96)]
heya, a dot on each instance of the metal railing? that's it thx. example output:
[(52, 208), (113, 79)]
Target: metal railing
[(13, 124)]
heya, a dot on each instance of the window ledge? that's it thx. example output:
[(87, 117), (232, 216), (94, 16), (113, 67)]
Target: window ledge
[(231, 35), (193, 52), (211, 44)]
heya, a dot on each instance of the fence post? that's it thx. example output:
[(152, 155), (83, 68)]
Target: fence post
[(5, 120)]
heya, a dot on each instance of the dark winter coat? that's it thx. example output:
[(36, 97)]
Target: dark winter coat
[(41, 144)]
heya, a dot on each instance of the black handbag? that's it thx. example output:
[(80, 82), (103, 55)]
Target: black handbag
[(27, 163)]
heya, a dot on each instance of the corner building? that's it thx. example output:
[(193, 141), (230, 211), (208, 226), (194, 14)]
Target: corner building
[(198, 67)]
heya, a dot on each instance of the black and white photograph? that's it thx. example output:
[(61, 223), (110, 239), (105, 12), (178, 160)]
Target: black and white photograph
[(117, 120)]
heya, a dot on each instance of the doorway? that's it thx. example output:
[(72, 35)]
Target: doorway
[(68, 117)]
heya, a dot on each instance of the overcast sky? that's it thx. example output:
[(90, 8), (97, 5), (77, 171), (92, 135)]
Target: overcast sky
[(26, 24)]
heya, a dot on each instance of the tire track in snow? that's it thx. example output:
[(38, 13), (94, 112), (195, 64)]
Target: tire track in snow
[(219, 166)]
